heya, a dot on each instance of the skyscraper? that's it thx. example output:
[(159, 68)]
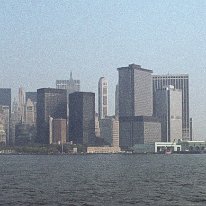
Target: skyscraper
[(70, 85), (103, 98), (117, 101), (5, 120), (21, 104), (5, 105), (82, 118), (137, 126), (30, 112), (30, 108), (50, 103), (180, 81), (5, 97), (135, 91), (168, 108)]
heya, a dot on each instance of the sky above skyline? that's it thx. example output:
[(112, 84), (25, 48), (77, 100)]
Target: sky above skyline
[(41, 41)]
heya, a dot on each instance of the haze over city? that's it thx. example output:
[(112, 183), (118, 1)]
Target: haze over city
[(42, 41)]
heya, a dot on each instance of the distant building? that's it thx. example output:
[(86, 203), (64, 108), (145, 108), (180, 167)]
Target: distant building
[(191, 131), (109, 131), (139, 130), (103, 150), (50, 103), (21, 104), (59, 131), (30, 112), (5, 97), (137, 126), (5, 120), (82, 118), (117, 101), (135, 91), (14, 120), (97, 128), (103, 98), (2, 134), (25, 134), (179, 81), (168, 104), (32, 96), (70, 85)]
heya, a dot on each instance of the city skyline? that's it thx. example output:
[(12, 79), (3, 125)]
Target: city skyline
[(42, 41)]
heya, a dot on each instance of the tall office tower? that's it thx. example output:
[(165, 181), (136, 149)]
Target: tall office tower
[(70, 85), (14, 120), (5, 97), (50, 103), (30, 112), (21, 104), (109, 131), (30, 108), (180, 81), (5, 100), (5, 120), (136, 107), (117, 101), (135, 91), (103, 98), (168, 108), (82, 118)]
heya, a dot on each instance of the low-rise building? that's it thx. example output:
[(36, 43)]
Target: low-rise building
[(100, 150)]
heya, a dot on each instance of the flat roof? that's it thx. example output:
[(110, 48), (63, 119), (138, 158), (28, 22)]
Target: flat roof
[(135, 66)]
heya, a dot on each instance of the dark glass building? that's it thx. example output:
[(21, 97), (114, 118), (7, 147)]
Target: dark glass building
[(32, 96), (5, 97), (50, 103), (82, 118)]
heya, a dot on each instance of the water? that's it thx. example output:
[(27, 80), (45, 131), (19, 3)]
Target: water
[(90, 180)]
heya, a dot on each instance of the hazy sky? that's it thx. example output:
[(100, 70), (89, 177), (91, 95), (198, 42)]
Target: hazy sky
[(41, 41)]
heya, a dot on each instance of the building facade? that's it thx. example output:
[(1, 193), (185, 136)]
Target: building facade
[(109, 131), (70, 85), (180, 81), (139, 130), (21, 104), (5, 97), (117, 101), (50, 103), (30, 112), (137, 126), (58, 127), (32, 96), (82, 118), (135, 91), (102, 98), (168, 104), (5, 120)]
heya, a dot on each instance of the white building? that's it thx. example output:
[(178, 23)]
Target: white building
[(103, 98), (168, 108), (30, 112)]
